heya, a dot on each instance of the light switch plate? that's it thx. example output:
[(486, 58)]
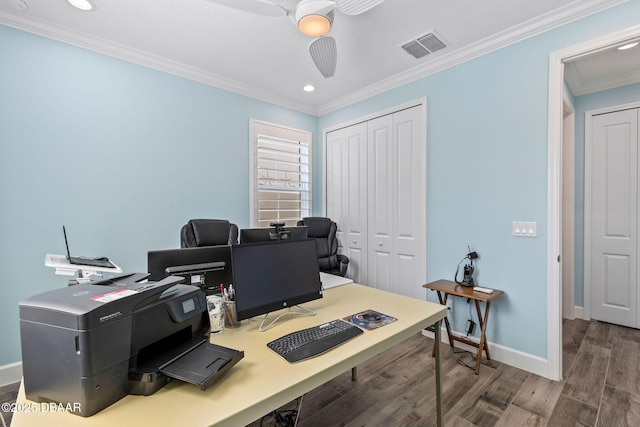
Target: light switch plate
[(524, 229)]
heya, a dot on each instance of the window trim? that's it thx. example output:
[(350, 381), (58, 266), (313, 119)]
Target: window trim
[(276, 131)]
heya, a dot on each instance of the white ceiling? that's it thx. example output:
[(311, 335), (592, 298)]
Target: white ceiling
[(267, 58)]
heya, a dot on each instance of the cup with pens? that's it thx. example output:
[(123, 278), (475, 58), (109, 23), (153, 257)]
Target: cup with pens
[(229, 304), (215, 305)]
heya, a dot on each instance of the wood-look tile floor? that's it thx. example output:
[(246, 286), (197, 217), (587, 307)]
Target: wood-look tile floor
[(601, 387), (8, 393)]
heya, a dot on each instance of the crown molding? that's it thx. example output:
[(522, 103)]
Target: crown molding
[(579, 87), (554, 19), (558, 17), (609, 84), (126, 53)]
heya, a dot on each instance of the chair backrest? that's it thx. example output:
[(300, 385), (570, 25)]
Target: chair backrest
[(208, 232), (324, 231)]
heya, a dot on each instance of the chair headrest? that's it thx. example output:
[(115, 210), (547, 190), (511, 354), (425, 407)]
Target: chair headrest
[(210, 232), (317, 226)]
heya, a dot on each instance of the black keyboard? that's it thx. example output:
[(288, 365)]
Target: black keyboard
[(90, 262), (311, 342)]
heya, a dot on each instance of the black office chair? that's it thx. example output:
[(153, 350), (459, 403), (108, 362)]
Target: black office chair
[(208, 232), (324, 231)]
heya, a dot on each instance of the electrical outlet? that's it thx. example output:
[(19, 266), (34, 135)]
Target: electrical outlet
[(450, 305)]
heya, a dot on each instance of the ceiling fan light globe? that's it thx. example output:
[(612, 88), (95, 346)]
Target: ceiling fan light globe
[(314, 25)]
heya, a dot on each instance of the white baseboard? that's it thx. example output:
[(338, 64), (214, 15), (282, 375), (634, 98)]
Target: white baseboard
[(11, 373), (515, 358)]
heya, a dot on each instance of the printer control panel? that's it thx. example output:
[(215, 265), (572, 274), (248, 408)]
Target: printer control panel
[(187, 306)]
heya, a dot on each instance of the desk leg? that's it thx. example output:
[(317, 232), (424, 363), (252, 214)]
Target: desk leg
[(443, 301), (436, 348), (482, 345)]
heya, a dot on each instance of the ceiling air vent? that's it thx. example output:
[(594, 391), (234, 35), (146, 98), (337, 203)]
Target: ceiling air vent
[(423, 45)]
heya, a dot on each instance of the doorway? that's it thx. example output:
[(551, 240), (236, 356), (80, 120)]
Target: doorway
[(555, 172), (568, 209)]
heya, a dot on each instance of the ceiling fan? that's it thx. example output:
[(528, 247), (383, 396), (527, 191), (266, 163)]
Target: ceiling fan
[(313, 18)]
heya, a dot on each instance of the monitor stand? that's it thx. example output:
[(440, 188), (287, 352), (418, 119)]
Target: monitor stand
[(290, 312)]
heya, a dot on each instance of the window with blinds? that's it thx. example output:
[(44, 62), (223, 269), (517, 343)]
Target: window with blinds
[(281, 174)]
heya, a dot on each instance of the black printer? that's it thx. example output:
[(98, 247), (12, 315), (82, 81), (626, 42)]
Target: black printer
[(92, 344)]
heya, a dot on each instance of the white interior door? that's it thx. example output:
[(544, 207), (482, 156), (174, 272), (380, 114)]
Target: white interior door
[(410, 202), (335, 167), (376, 192), (397, 203), (613, 233), (382, 184), (347, 194)]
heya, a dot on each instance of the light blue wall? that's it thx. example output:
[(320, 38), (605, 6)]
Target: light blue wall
[(165, 149), (584, 103), (121, 154), (487, 166)]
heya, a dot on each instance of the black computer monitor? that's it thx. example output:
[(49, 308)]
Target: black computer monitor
[(207, 267), (254, 235), (269, 276)]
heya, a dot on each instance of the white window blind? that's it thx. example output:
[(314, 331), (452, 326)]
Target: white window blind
[(282, 174)]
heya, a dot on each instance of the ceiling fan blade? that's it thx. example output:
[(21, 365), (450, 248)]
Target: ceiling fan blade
[(356, 7), (324, 54), (258, 7), (316, 7)]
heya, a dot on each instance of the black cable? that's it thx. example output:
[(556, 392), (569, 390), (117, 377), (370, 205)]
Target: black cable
[(462, 362), (470, 316), (455, 277), (283, 418)]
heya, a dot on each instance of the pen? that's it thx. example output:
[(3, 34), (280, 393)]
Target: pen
[(229, 318)]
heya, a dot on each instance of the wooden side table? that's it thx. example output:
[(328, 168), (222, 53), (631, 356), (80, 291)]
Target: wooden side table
[(444, 288)]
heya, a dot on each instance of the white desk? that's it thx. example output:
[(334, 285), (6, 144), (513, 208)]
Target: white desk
[(331, 280), (263, 381)]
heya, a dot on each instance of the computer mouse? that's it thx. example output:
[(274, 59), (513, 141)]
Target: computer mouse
[(371, 317), (101, 258)]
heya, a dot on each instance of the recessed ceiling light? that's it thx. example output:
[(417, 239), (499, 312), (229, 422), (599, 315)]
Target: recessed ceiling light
[(628, 45), (309, 88), (82, 4)]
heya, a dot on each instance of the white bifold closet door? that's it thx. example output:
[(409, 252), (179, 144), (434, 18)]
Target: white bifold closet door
[(376, 192), (347, 195), (612, 195)]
